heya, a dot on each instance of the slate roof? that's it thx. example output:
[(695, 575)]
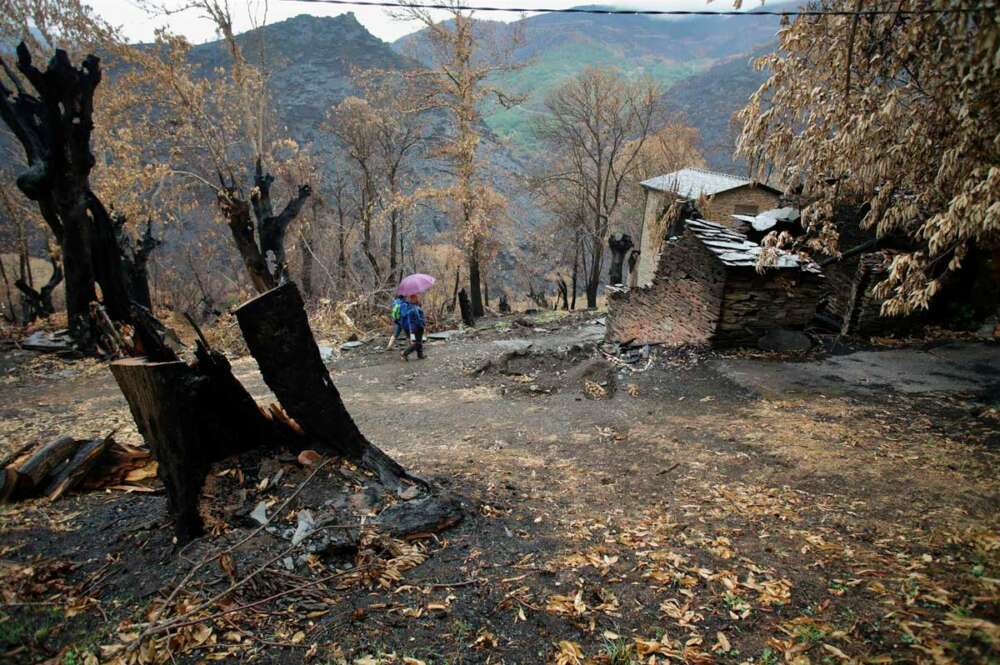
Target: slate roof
[(733, 249), (691, 183)]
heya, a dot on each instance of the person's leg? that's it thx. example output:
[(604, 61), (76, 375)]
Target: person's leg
[(418, 343), (411, 348)]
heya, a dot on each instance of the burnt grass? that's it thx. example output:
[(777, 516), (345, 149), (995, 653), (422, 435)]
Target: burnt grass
[(673, 514)]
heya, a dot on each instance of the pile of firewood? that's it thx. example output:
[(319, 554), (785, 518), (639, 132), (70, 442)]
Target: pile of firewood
[(54, 468)]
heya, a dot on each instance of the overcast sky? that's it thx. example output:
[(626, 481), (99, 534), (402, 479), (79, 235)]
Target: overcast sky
[(139, 26)]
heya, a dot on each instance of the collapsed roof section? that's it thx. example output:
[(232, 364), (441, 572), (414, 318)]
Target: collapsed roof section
[(768, 219), (733, 249)]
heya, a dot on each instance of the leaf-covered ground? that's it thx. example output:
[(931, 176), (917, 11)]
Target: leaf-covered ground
[(669, 515)]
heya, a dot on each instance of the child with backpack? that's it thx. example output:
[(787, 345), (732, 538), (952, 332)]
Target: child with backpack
[(397, 325), (412, 318)]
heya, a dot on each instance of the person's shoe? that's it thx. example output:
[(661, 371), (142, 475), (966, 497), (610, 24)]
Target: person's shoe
[(421, 356), (404, 357)]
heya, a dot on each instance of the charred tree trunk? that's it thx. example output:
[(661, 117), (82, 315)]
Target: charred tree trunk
[(466, 308), (563, 292), (454, 292), (278, 336), (272, 228), (394, 275), (265, 262), (633, 261), (42, 463), (504, 305), (576, 269), (39, 303), (341, 254), (54, 127), (135, 261), (305, 250), (74, 471), (192, 416), (594, 278), (476, 295), (619, 248)]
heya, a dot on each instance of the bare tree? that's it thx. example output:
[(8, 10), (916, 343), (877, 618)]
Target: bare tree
[(596, 128), (381, 132), (458, 83), (221, 128)]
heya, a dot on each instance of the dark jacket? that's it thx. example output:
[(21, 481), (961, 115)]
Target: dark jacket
[(411, 317)]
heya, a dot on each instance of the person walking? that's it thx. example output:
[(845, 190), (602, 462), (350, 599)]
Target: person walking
[(413, 322), (397, 326)]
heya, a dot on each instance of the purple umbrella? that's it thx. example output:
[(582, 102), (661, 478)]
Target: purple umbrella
[(415, 284)]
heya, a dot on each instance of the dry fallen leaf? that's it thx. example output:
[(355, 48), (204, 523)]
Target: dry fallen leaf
[(309, 458)]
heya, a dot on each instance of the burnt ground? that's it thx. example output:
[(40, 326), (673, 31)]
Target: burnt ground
[(709, 509)]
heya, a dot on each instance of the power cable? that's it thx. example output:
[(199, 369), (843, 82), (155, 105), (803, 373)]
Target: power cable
[(657, 12)]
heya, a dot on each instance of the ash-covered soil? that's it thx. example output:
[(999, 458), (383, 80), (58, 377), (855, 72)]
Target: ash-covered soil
[(685, 507)]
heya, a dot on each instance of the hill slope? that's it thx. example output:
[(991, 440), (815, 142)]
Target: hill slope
[(310, 59), (557, 46), (708, 101)]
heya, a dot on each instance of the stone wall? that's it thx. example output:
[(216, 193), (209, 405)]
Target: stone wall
[(681, 305), (716, 209), (850, 296), (754, 303), (719, 207)]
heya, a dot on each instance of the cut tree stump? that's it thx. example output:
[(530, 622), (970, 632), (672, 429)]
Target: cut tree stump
[(74, 471), (276, 330), (192, 416), (42, 463)]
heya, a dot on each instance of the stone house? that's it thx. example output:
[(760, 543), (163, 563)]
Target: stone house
[(718, 196), (706, 291)]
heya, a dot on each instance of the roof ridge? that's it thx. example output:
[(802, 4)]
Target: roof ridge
[(714, 172)]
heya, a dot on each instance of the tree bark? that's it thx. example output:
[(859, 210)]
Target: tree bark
[(619, 248), (39, 303), (135, 261), (594, 279), (476, 295), (266, 262), (278, 336), (466, 308), (307, 236), (74, 471), (633, 276), (43, 462), (54, 128), (192, 416), (576, 264)]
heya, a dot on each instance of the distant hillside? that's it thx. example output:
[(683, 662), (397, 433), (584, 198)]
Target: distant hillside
[(557, 46), (708, 101), (310, 59)]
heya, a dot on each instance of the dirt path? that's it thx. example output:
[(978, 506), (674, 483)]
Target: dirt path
[(701, 509)]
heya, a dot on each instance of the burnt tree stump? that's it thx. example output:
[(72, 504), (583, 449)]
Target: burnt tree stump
[(619, 246), (276, 330), (466, 308), (192, 416)]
